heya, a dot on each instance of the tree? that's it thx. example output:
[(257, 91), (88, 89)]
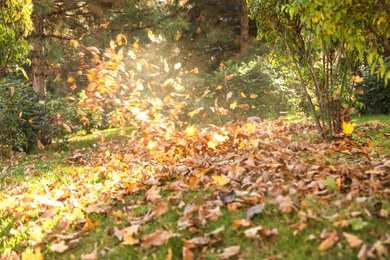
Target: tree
[(324, 42), (92, 22), (15, 25)]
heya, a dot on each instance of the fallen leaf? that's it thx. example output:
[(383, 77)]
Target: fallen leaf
[(229, 252), (157, 238), (130, 241), (257, 209), (329, 242), (252, 232), (353, 241), (187, 253), (241, 223), (91, 256), (153, 194), (220, 180), (227, 197), (59, 247)]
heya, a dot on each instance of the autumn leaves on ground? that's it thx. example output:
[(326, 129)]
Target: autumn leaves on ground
[(247, 190)]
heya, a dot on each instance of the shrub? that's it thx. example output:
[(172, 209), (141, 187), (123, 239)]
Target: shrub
[(376, 94), (21, 116), (247, 89)]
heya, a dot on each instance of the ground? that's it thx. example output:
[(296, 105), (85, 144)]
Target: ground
[(248, 190)]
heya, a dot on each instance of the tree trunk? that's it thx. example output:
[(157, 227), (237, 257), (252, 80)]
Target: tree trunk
[(244, 20), (39, 68)]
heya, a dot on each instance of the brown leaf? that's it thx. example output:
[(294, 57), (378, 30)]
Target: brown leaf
[(160, 209), (329, 241), (187, 253), (353, 241), (91, 256), (157, 238), (241, 223), (59, 247), (153, 194), (229, 252)]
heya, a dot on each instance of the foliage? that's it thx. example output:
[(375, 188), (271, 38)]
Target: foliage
[(21, 117), (376, 94), (240, 91), (324, 46), (15, 25)]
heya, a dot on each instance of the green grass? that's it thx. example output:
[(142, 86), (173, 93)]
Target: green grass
[(83, 185)]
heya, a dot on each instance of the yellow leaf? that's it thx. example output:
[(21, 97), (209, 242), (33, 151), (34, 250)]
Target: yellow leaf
[(130, 241), (220, 180), (250, 127), (347, 128), (233, 105), (191, 131), (219, 87), (243, 95), (151, 36)]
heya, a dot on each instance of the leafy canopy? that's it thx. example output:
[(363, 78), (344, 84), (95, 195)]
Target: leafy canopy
[(15, 25)]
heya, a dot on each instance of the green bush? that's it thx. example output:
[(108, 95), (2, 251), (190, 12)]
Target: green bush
[(376, 94), (21, 116), (255, 89)]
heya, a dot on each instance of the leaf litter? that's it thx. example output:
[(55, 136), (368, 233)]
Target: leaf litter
[(243, 169)]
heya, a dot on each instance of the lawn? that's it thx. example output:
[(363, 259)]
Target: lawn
[(270, 190)]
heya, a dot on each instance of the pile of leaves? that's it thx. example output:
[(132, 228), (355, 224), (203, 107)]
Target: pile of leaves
[(245, 173)]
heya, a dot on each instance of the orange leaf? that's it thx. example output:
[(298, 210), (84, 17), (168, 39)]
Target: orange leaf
[(253, 96), (89, 225), (105, 25), (231, 76), (329, 242)]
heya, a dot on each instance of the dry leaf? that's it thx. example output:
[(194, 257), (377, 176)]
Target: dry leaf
[(229, 252), (353, 241), (91, 256), (329, 241), (187, 253), (153, 194), (59, 247)]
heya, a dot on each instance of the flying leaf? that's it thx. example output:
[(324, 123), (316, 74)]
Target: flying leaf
[(233, 105), (105, 25), (74, 43), (230, 77), (177, 66), (151, 36), (229, 95)]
